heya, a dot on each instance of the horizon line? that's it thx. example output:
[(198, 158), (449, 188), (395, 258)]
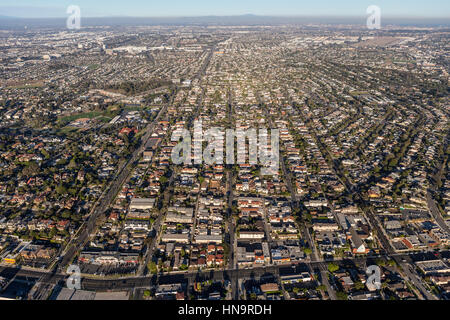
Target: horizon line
[(233, 15)]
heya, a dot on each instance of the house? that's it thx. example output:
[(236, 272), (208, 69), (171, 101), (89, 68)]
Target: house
[(206, 239), (251, 235), (296, 278), (358, 246), (181, 238), (142, 203)]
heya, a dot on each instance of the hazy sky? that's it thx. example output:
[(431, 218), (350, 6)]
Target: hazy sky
[(167, 8)]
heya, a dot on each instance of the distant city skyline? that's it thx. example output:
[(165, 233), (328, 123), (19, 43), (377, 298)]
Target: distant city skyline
[(183, 8)]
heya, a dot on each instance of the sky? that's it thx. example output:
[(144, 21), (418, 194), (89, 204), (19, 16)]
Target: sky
[(185, 8)]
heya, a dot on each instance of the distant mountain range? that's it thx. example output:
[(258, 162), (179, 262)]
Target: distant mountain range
[(247, 19)]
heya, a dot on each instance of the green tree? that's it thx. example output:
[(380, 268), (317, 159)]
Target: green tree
[(341, 295), (332, 267), (31, 169), (359, 285), (152, 267)]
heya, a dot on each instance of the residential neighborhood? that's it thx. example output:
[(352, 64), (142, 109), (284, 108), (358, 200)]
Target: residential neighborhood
[(94, 120)]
